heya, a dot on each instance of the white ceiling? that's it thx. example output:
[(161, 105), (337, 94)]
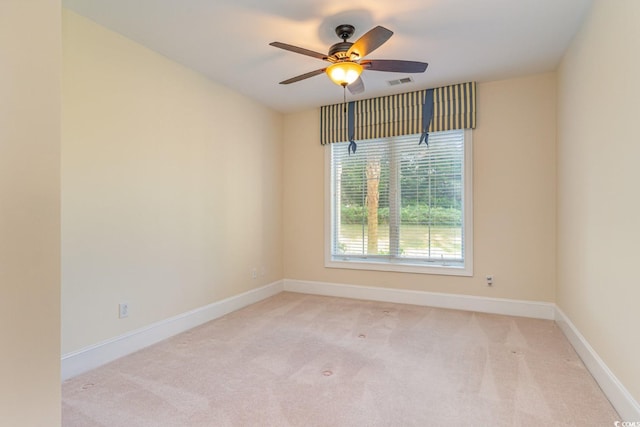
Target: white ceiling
[(228, 40)]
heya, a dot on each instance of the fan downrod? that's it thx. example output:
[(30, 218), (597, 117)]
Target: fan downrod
[(339, 50)]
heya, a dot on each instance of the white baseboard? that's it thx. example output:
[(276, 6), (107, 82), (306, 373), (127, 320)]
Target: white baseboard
[(618, 395), (91, 357), (534, 309)]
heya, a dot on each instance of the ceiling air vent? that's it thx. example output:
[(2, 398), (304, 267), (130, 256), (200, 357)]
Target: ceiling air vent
[(401, 81)]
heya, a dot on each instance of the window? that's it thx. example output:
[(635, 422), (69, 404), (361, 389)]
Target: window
[(399, 206)]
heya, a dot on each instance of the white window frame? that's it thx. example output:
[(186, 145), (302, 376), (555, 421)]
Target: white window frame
[(390, 265)]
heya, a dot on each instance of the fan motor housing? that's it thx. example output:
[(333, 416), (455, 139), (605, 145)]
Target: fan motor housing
[(339, 50)]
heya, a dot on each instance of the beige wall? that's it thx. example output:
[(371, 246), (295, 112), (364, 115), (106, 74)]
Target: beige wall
[(171, 187), (29, 213), (598, 203), (514, 198)]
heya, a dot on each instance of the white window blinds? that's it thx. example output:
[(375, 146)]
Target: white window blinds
[(399, 202)]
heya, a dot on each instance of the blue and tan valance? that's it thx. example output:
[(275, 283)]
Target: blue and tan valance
[(454, 107)]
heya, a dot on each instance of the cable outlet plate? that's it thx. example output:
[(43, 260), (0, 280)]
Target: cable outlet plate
[(123, 310)]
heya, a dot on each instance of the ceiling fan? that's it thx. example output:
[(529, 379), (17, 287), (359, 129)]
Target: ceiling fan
[(347, 61)]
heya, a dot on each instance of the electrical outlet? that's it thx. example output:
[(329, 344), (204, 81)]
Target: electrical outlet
[(123, 309), (254, 273), (489, 280)]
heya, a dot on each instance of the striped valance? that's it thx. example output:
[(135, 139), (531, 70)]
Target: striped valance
[(454, 107)]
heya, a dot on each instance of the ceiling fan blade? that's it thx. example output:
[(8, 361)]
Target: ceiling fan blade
[(395, 66), (370, 41), (356, 87), (299, 50), (302, 76)]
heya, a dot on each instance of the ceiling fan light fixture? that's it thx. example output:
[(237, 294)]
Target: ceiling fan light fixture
[(345, 57), (344, 73)]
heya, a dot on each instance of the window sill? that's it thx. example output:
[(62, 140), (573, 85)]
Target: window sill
[(401, 267)]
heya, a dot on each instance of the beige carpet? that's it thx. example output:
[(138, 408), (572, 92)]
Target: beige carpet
[(301, 360)]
